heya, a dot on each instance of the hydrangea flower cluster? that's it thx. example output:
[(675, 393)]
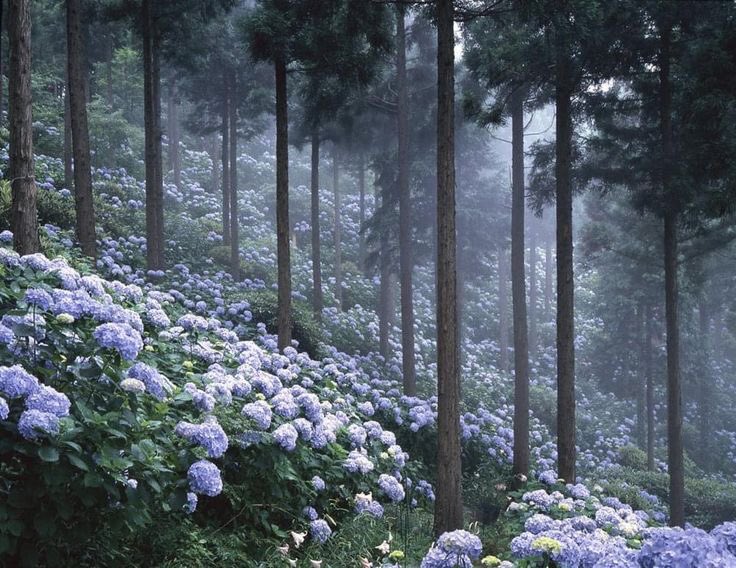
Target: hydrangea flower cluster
[(456, 549)]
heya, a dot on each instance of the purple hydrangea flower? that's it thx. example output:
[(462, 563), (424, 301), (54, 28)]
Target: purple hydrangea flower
[(156, 384), (121, 337), (320, 530), (260, 412), (39, 298), (47, 399), (204, 478), (286, 436), (34, 422), (391, 487), (16, 382), (209, 435)]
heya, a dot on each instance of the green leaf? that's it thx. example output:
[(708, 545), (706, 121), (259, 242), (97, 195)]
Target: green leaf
[(48, 454), (77, 462)]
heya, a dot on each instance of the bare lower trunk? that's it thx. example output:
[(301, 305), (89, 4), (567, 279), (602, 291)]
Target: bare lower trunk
[(361, 218), (385, 300), (234, 225), (406, 261), (704, 398), (449, 498), (532, 292), (547, 278), (317, 300), (518, 287), (23, 217), (68, 144), (503, 301), (226, 166), (650, 388), (85, 214), (173, 128), (565, 281), (640, 385), (282, 206), (213, 153), (337, 230)]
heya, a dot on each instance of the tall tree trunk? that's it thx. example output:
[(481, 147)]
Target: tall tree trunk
[(565, 281), (68, 144), (85, 214), (640, 387), (282, 206), (2, 62), (226, 165), (518, 288), (234, 225), (704, 398), (336, 229), (154, 190), (449, 498), (23, 216), (674, 395), (212, 151), (317, 299), (650, 388), (503, 301), (385, 295), (361, 205), (547, 278), (532, 291), (173, 128), (108, 67), (406, 261)]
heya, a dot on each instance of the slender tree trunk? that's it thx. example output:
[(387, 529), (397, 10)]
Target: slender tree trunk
[(518, 286), (154, 189), (547, 278), (158, 146), (503, 324), (23, 217), (385, 298), (226, 165), (234, 225), (173, 128), (336, 229), (674, 395), (704, 398), (532, 292), (317, 300), (282, 206), (215, 179), (565, 281), (650, 388), (2, 61), (68, 145), (85, 214), (108, 66), (361, 201), (640, 388), (406, 261), (449, 498)]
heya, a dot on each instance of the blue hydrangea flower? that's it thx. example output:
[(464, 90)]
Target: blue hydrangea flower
[(47, 399), (726, 533), (320, 530), (156, 384), (191, 505), (208, 435), (317, 482), (6, 335), (204, 478), (391, 487), (121, 337), (358, 462), (5, 410), (34, 422), (260, 412), (16, 382), (39, 298), (456, 549), (286, 436)]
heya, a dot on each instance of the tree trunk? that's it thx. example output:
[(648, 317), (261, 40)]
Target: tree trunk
[(23, 216), (234, 225), (282, 206), (640, 388), (226, 165), (215, 179), (85, 214), (2, 63), (518, 290), (336, 229), (173, 128), (674, 396), (406, 261), (385, 298), (704, 398), (108, 66), (547, 278), (503, 325), (532, 291), (565, 281), (154, 190), (68, 145), (317, 299), (650, 388), (449, 499), (361, 218)]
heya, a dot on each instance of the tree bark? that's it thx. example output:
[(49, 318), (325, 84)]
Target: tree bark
[(503, 325), (234, 225), (317, 299), (108, 66), (152, 115), (212, 151), (385, 299), (173, 128), (532, 291), (674, 387), (68, 144), (547, 278), (449, 499), (23, 215), (640, 387), (565, 280), (406, 261), (650, 388), (2, 62), (85, 214), (704, 398), (337, 228), (518, 290), (282, 206), (361, 205), (226, 165)]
